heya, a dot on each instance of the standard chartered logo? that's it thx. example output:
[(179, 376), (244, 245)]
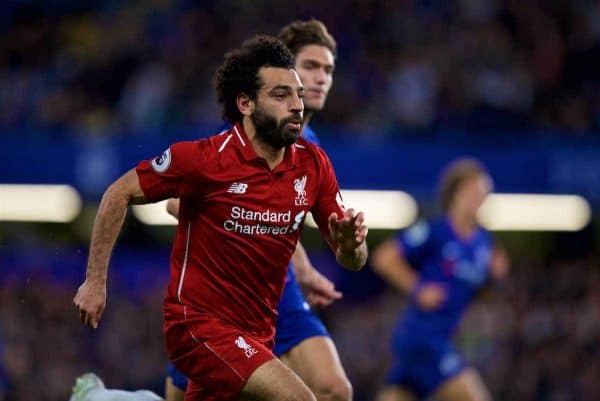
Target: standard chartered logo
[(266, 222)]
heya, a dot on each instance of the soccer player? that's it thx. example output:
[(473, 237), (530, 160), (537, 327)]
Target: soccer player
[(301, 340), (441, 266), (243, 198)]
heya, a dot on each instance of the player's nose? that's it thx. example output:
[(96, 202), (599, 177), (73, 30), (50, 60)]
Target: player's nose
[(320, 76), (296, 104)]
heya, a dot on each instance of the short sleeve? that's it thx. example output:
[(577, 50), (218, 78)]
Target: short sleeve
[(174, 173), (329, 199), (415, 243)]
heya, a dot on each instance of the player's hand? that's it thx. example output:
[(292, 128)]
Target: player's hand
[(430, 296), (499, 264), (318, 289), (349, 231), (90, 301)]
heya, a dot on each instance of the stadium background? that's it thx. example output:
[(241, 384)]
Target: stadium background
[(89, 88)]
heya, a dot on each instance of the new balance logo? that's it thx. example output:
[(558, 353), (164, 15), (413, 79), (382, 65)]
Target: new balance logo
[(237, 188), (242, 344)]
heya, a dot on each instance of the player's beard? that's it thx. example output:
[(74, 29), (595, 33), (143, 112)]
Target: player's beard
[(275, 134)]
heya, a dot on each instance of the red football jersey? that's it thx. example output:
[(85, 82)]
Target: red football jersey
[(239, 222)]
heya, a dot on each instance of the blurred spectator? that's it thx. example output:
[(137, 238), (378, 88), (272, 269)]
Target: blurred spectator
[(145, 97), (145, 66), (413, 91)]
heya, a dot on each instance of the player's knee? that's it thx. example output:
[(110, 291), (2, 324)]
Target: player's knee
[(334, 389)]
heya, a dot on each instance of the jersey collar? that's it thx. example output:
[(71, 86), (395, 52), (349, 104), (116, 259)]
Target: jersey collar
[(248, 152)]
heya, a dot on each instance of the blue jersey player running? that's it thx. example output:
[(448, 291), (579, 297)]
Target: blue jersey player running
[(442, 265), (302, 341)]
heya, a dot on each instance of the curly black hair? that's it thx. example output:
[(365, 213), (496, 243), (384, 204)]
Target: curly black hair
[(239, 71)]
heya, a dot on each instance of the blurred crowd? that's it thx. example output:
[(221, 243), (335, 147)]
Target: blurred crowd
[(535, 337), (45, 347), (407, 66)]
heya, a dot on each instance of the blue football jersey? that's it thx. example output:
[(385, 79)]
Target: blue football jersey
[(310, 135), (460, 265)]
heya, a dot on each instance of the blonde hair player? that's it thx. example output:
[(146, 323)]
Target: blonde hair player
[(442, 266)]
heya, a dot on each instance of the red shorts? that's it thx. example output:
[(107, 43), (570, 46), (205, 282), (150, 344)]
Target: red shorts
[(217, 357)]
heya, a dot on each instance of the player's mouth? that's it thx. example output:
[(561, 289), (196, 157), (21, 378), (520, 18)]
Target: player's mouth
[(316, 92), (294, 125)]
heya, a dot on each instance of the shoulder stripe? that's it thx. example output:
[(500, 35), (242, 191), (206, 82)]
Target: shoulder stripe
[(225, 143), (299, 146), (239, 136)]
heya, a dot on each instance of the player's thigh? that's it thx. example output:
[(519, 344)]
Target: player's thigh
[(172, 392), (466, 386), (318, 364), (395, 393), (273, 381)]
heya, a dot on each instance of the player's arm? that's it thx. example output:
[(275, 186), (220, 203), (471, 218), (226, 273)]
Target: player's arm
[(172, 174), (389, 262), (91, 296), (499, 267), (499, 262), (319, 290), (173, 207)]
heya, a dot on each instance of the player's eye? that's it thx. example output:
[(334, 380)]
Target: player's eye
[(312, 65)]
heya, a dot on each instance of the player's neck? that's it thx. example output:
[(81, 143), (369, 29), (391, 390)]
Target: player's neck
[(463, 224), (272, 156)]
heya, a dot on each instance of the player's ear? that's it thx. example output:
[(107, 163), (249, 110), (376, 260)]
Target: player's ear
[(245, 104)]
